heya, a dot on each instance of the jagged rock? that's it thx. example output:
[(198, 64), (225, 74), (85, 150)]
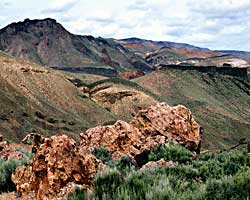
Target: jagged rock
[(56, 163), (36, 139), (152, 126), (159, 163)]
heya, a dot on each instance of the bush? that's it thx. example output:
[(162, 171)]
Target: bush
[(242, 183), (107, 183), (79, 194), (124, 164), (172, 152), (102, 154), (6, 169), (212, 176)]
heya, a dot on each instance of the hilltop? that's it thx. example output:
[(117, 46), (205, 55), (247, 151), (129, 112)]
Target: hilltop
[(165, 52), (47, 42)]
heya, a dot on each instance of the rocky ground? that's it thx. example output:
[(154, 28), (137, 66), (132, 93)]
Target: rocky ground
[(59, 163)]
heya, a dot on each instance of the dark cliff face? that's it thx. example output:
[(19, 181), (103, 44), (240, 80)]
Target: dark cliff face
[(48, 43)]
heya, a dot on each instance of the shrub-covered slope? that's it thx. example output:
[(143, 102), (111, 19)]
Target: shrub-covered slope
[(212, 176), (221, 104), (35, 98)]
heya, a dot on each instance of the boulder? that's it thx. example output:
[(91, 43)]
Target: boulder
[(155, 125), (57, 162)]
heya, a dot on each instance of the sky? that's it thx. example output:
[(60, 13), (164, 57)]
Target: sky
[(215, 24)]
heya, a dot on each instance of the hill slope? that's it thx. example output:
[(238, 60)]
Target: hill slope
[(220, 103), (35, 98)]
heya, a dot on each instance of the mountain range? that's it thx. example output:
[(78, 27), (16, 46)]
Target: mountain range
[(90, 88)]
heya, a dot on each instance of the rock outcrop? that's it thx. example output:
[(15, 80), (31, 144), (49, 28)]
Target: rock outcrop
[(57, 162), (9, 151), (156, 125)]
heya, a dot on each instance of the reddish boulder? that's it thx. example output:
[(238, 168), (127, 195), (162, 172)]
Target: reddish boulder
[(152, 126), (57, 162)]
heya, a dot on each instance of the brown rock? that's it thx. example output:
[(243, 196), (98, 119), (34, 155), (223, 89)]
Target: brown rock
[(56, 163), (36, 139), (9, 151), (132, 74), (152, 126), (159, 163)]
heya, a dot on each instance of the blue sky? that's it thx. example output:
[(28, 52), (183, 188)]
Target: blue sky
[(216, 24)]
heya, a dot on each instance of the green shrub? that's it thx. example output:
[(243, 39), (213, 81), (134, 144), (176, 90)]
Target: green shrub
[(160, 190), (124, 164), (172, 152), (106, 183), (102, 154), (6, 169), (242, 183), (79, 194), (212, 176), (220, 189)]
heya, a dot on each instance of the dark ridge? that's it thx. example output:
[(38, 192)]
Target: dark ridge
[(231, 71)]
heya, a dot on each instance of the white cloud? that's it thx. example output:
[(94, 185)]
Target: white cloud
[(60, 6), (207, 23)]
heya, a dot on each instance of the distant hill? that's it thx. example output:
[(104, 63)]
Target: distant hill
[(47, 42), (241, 54), (164, 52), (164, 43)]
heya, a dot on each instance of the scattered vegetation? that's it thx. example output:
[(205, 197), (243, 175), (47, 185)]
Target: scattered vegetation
[(217, 102), (224, 175), (7, 167)]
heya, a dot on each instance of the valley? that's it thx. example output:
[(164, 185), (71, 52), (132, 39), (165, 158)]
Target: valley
[(101, 118)]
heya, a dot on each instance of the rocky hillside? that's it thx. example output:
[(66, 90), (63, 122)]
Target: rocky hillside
[(47, 42), (59, 161), (35, 98)]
